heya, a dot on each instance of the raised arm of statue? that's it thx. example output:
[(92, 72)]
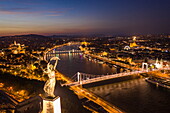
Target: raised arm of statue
[(50, 83)]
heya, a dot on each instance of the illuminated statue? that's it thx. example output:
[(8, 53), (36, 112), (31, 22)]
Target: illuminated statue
[(50, 83)]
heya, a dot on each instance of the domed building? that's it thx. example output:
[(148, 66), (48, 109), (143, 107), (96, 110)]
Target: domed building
[(17, 48)]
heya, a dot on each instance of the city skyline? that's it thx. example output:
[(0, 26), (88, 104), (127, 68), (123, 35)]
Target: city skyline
[(110, 17)]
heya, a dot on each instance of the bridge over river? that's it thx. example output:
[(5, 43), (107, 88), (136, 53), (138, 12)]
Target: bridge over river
[(83, 78)]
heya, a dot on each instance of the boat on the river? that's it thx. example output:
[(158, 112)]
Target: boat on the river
[(158, 83), (100, 62)]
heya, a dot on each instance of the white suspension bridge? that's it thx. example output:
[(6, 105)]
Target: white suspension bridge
[(83, 78), (66, 51)]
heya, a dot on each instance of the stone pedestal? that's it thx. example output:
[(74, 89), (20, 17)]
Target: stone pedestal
[(51, 105)]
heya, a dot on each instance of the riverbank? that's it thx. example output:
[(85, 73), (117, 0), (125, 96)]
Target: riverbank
[(110, 61), (135, 96), (22, 89), (159, 82), (85, 93), (89, 95)]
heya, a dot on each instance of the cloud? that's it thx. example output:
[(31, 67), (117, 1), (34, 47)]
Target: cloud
[(14, 12), (45, 13), (58, 12), (30, 2), (21, 11), (14, 8), (32, 11), (25, 2), (54, 15)]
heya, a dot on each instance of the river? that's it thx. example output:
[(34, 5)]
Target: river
[(132, 96)]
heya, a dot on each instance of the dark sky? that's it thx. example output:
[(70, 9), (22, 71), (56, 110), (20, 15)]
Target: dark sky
[(49, 17)]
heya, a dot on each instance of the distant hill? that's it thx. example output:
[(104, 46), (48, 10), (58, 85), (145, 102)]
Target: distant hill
[(33, 41), (25, 36)]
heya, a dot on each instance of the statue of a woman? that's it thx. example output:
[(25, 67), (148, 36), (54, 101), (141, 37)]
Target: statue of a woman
[(50, 83)]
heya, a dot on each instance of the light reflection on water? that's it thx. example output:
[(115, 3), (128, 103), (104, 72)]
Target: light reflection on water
[(73, 63), (135, 96), (132, 96)]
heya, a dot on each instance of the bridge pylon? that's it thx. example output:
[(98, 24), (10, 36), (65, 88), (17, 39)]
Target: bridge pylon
[(145, 66), (79, 78)]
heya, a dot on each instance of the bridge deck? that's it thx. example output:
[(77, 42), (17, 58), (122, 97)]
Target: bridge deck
[(107, 77), (86, 93)]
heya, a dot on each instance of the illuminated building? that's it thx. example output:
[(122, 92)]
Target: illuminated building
[(133, 44), (160, 64), (104, 53), (17, 48), (33, 105), (126, 48), (84, 43), (7, 103)]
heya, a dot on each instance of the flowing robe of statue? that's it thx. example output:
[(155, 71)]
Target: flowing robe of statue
[(50, 83)]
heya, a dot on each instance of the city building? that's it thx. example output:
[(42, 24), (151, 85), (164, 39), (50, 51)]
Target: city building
[(17, 48)]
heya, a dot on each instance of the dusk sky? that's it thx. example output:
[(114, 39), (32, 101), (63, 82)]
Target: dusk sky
[(49, 17)]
